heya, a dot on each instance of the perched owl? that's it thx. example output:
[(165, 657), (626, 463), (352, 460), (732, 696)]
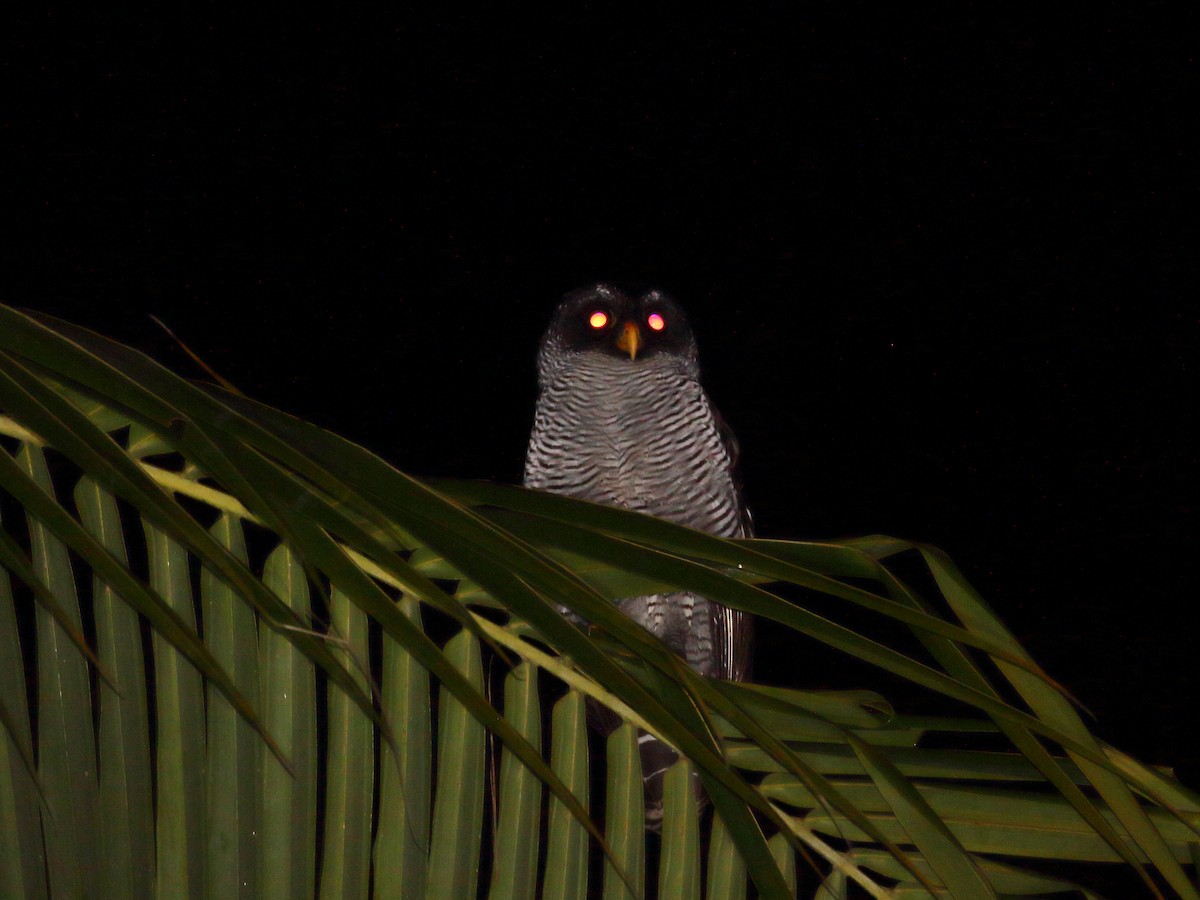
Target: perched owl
[(622, 420)]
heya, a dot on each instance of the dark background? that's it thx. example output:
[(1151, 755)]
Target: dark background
[(943, 269)]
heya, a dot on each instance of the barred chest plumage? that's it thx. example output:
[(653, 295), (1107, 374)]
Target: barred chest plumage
[(640, 436)]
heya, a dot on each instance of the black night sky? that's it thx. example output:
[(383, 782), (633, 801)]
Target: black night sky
[(942, 269)]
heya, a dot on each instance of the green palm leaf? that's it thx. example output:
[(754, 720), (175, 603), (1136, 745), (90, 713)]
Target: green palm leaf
[(321, 708)]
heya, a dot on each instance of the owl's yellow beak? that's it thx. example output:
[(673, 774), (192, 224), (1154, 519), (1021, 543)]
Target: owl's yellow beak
[(630, 340)]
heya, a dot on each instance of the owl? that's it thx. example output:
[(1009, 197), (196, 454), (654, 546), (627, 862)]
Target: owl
[(622, 420)]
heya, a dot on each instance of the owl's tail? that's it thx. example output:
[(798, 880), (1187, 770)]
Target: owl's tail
[(657, 757)]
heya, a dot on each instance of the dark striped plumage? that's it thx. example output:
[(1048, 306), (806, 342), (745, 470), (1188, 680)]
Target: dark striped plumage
[(622, 420)]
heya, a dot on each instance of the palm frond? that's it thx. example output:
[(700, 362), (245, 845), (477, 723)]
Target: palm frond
[(287, 636)]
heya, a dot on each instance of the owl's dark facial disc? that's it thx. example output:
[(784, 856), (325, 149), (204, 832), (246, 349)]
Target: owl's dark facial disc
[(603, 319)]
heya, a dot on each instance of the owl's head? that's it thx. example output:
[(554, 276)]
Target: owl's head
[(646, 329)]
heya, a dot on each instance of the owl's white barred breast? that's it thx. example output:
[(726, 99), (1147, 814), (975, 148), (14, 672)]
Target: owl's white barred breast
[(641, 436)]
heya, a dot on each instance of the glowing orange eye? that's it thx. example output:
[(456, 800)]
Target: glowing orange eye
[(598, 319), (656, 322)]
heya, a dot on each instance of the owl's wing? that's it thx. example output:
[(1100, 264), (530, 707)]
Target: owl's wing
[(735, 637), (734, 451), (735, 629)]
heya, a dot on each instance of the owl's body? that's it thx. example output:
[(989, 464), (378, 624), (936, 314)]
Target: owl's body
[(642, 437), (639, 432)]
